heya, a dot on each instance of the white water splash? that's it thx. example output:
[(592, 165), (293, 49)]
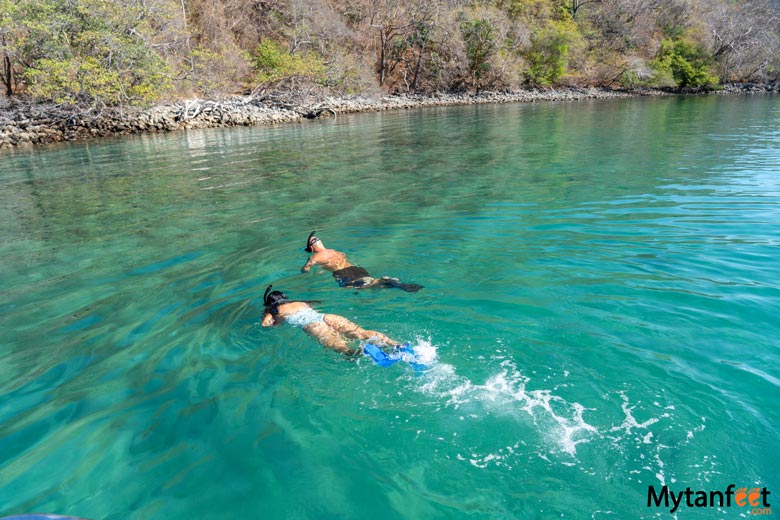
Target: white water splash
[(425, 353), (642, 434), (630, 423), (505, 393)]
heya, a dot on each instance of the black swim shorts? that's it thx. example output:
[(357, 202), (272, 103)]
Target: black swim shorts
[(352, 276)]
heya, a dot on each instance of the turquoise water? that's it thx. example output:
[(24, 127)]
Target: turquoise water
[(599, 315)]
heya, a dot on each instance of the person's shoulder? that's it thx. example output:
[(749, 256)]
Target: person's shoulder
[(331, 252), (291, 307)]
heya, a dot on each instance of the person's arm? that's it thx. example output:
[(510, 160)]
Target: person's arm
[(268, 320), (308, 265)]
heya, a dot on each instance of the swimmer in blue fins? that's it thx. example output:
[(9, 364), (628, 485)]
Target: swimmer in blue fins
[(331, 330), (345, 273)]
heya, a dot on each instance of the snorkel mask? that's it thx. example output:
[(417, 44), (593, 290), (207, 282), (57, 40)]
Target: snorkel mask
[(310, 241), (272, 300)]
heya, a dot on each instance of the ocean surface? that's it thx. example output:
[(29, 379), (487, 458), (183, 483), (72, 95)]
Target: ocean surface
[(599, 315)]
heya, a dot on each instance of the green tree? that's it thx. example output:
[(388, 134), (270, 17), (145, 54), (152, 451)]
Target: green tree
[(538, 10), (418, 39), (549, 51), (479, 36), (274, 63), (8, 31), (96, 51), (688, 63)]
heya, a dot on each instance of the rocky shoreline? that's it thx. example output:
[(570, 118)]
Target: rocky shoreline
[(27, 124)]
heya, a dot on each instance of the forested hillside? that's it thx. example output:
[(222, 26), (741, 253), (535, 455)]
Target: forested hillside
[(117, 52)]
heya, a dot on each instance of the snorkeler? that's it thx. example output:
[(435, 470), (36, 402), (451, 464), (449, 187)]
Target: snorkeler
[(345, 273), (330, 330)]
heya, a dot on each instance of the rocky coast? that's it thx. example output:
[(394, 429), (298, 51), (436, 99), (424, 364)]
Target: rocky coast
[(26, 123)]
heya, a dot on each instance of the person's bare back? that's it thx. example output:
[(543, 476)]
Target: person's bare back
[(329, 259)]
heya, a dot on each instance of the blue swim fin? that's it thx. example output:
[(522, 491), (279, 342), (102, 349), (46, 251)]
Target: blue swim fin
[(412, 358), (379, 356), (403, 353)]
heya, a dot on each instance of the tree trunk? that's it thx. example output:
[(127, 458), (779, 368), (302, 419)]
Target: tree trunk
[(8, 75), (8, 70), (382, 46), (417, 70)]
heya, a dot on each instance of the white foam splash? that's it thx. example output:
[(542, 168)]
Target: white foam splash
[(630, 423), (643, 434), (506, 393), (425, 353)]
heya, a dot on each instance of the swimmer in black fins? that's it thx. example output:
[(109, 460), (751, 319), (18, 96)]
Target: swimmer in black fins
[(345, 273)]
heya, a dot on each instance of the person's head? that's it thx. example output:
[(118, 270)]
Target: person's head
[(272, 300), (312, 241)]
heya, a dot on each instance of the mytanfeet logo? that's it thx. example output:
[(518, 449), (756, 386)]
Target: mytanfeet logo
[(754, 499)]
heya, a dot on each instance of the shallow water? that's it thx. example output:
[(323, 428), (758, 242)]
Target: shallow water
[(599, 315)]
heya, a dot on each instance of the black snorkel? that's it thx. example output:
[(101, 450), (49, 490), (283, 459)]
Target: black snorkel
[(272, 300), (265, 296), (310, 242)]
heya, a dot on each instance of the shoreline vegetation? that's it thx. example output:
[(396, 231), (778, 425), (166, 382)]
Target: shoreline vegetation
[(78, 69), (28, 123)]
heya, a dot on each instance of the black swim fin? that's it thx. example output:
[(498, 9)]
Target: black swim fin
[(408, 287)]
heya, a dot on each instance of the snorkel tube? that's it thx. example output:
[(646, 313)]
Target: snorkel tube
[(265, 296), (272, 300), (309, 241)]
